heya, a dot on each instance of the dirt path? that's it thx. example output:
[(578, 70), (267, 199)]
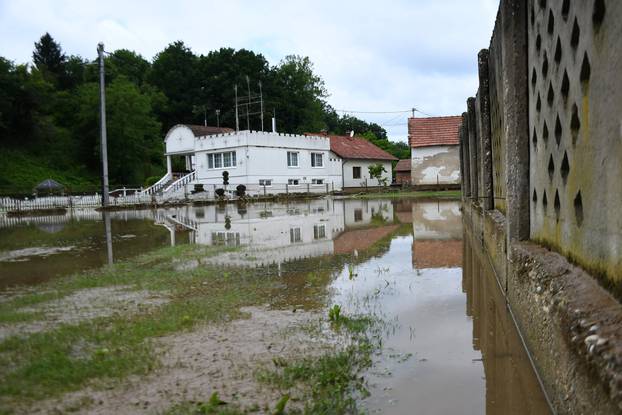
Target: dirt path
[(220, 359)]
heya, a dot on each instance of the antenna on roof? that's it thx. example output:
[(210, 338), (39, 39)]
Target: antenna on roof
[(413, 110), (250, 103)]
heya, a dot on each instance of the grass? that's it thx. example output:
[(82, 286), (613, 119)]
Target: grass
[(333, 380), (70, 356), (409, 194)]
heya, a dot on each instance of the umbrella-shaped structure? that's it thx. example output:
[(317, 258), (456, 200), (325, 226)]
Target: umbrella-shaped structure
[(49, 186)]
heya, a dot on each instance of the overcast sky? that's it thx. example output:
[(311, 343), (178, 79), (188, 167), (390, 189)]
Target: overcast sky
[(373, 56)]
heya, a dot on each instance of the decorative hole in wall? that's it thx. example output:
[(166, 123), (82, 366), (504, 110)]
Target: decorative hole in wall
[(550, 96), (545, 65), (558, 130), (551, 167), (558, 51), (578, 208), (538, 43), (545, 133), (538, 103), (542, 4), (565, 168), (565, 85), (557, 205), (599, 13), (534, 198), (545, 201), (550, 27), (534, 78), (565, 9), (533, 15), (575, 123), (534, 139), (586, 69), (574, 36)]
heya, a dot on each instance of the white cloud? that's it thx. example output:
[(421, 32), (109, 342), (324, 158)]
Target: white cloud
[(374, 56)]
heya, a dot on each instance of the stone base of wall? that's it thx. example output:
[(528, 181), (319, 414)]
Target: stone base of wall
[(571, 326)]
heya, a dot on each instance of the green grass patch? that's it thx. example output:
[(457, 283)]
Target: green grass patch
[(70, 356), (333, 380), (409, 194)]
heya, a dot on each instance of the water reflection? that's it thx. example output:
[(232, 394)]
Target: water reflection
[(511, 386), (274, 233)]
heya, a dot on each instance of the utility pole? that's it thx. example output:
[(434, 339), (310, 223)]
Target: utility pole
[(261, 103), (237, 117), (217, 118), (248, 115), (102, 121), (413, 110)]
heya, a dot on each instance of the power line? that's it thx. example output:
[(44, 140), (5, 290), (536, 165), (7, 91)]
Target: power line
[(372, 112)]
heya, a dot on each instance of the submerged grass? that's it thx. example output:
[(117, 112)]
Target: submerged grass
[(331, 382)]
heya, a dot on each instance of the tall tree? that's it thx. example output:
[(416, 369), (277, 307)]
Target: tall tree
[(48, 56)]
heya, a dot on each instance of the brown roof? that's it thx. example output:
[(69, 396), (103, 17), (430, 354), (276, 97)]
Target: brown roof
[(356, 148), (403, 165), (361, 239), (203, 130), (434, 131), (437, 254)]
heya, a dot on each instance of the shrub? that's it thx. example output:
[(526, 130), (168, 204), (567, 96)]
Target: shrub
[(240, 190), (220, 192)]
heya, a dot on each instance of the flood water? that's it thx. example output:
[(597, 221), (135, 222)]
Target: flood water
[(449, 344)]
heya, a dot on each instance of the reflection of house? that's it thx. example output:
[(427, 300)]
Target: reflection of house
[(269, 233), (402, 171), (361, 239), (435, 151), (437, 234)]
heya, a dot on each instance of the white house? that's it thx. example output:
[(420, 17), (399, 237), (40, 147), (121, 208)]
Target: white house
[(435, 151), (263, 161), (356, 155)]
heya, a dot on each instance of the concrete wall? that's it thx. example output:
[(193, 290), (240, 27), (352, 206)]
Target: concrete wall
[(179, 140), (435, 165), (575, 121), (541, 149), (365, 180)]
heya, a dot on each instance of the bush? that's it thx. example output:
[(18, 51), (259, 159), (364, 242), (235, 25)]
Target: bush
[(198, 188), (220, 192), (151, 180), (240, 190)]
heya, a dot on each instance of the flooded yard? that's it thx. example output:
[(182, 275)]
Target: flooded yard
[(321, 306)]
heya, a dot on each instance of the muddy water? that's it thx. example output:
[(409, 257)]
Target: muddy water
[(449, 345), (35, 250)]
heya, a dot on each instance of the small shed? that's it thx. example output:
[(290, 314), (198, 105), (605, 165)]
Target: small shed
[(49, 186), (402, 171)]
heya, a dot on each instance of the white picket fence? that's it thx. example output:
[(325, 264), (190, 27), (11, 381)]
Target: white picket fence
[(71, 202)]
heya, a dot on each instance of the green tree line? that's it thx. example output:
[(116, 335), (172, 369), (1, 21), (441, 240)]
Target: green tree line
[(49, 110)]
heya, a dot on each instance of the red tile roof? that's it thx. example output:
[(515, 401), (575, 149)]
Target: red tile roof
[(434, 131), (403, 165), (203, 130), (355, 148)]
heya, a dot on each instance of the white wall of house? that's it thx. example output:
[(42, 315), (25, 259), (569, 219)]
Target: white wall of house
[(435, 164), (179, 140), (264, 156), (348, 173)]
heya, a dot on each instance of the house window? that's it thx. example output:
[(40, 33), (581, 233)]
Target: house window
[(294, 235), (356, 172), (292, 159), (220, 160), (319, 231), (265, 182), (293, 182), (226, 238), (358, 215), (316, 160), (317, 181)]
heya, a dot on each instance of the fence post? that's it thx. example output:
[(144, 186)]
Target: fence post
[(326, 188), (308, 188), (287, 189)]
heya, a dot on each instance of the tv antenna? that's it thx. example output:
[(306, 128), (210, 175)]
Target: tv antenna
[(248, 104)]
